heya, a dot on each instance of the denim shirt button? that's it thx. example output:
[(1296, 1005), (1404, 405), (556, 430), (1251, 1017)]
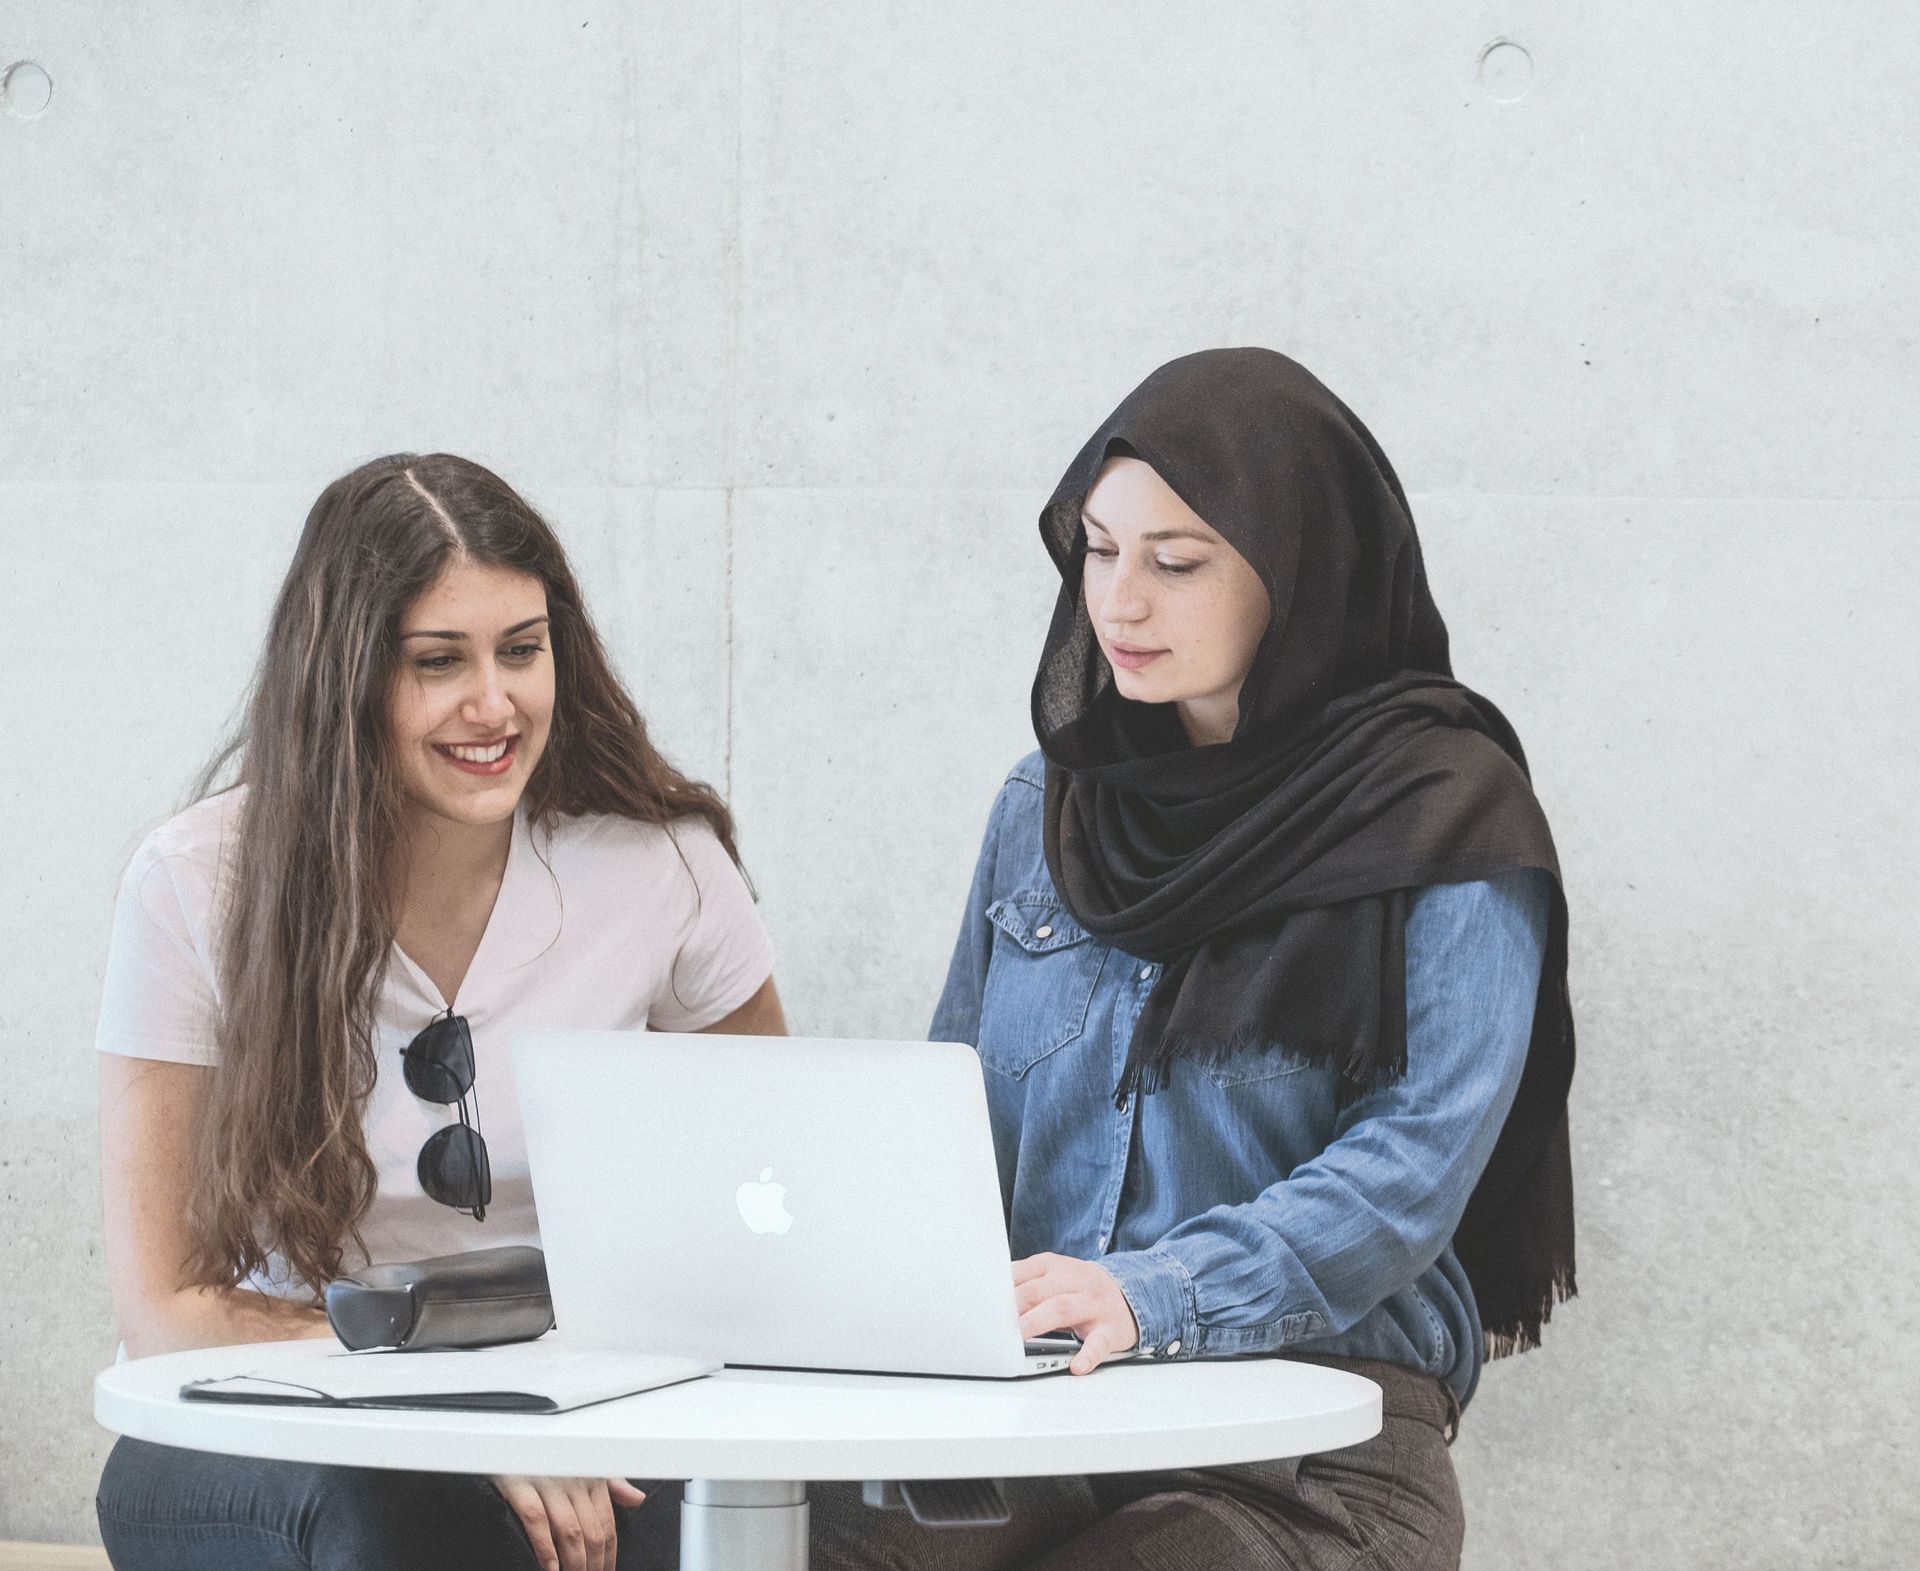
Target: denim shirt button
[(1173, 1347), (1043, 932), (1103, 1243), (1146, 973)]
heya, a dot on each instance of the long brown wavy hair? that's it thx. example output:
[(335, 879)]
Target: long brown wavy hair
[(281, 1164)]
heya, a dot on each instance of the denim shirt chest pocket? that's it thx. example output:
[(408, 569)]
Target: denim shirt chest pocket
[(1041, 978), (1253, 1065)]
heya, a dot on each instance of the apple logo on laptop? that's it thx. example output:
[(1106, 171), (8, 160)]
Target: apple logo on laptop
[(763, 1206)]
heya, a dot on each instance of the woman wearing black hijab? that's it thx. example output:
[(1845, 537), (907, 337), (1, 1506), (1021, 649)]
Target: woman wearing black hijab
[(1265, 959)]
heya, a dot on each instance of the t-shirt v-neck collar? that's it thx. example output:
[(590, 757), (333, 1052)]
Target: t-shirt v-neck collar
[(511, 915)]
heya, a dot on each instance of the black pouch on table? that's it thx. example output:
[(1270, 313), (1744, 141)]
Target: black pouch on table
[(476, 1299)]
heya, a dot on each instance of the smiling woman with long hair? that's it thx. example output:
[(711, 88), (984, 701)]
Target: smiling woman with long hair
[(446, 823)]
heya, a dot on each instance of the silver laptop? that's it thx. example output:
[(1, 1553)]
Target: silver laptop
[(789, 1202)]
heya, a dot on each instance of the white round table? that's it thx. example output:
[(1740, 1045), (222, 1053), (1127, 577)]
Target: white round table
[(748, 1439)]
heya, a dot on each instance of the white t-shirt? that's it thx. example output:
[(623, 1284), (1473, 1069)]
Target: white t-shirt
[(597, 926)]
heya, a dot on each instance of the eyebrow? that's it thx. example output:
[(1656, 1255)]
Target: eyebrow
[(1155, 534), (461, 638)]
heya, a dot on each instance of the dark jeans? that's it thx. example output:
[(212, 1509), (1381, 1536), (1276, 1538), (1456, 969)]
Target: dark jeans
[(164, 1509)]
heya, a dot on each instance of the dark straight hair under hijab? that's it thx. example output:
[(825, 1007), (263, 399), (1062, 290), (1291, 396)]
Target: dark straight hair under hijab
[(1270, 874)]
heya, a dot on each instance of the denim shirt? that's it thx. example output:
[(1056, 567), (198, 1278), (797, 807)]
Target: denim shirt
[(1240, 1209)]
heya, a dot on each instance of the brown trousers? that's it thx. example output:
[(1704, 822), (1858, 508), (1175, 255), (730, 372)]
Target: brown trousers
[(1389, 1504)]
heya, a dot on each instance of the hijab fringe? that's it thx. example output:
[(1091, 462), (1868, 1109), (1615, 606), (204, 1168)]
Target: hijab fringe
[(1358, 1074), (1522, 1335)]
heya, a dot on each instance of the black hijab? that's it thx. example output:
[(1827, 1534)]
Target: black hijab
[(1270, 874)]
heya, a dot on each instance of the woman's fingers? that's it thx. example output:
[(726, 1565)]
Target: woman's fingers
[(1065, 1311), (1057, 1292), (520, 1494), (570, 1521), (592, 1501), (563, 1523), (1047, 1276), (1094, 1348), (609, 1524)]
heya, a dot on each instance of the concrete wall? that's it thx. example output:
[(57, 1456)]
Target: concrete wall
[(790, 316)]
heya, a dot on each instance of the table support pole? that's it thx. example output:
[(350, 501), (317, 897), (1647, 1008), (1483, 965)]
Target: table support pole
[(732, 1525)]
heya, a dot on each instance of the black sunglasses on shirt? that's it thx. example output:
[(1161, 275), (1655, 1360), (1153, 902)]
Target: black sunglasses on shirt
[(438, 1064)]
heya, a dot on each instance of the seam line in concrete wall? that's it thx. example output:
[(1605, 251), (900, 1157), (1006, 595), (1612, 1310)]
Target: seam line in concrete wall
[(726, 620), (736, 290)]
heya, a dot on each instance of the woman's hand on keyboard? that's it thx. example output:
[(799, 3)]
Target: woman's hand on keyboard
[(1056, 1291)]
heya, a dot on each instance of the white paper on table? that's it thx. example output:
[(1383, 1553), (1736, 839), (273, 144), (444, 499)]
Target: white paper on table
[(523, 1377)]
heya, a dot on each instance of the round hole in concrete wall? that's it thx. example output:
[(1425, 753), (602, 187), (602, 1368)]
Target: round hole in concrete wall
[(26, 89), (1506, 71)]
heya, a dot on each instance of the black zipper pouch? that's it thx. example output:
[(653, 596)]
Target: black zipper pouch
[(477, 1299)]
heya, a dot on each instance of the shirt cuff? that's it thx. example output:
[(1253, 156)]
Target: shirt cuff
[(1160, 1294)]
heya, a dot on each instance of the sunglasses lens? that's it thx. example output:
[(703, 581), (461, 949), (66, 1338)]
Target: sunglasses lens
[(453, 1168), (438, 1063)]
